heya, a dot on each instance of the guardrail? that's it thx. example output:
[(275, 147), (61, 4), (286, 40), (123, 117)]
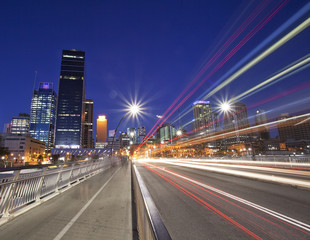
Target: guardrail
[(23, 190), (149, 222)]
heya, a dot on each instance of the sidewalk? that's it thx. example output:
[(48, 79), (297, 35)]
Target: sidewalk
[(98, 208)]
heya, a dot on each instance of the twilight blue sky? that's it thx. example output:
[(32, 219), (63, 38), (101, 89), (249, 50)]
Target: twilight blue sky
[(151, 49)]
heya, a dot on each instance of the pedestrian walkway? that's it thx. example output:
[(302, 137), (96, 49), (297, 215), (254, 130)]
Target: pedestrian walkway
[(98, 208)]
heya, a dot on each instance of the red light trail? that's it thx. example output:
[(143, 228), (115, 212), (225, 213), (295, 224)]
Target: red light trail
[(261, 24), (205, 195)]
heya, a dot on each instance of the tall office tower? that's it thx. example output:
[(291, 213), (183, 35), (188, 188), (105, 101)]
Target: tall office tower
[(131, 132), (101, 131), (165, 133), (88, 123), (202, 115), (141, 134), (43, 114), (237, 117), (261, 118), (20, 124), (71, 93), (295, 129)]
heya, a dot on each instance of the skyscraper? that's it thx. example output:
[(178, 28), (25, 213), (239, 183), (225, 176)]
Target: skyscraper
[(141, 134), (71, 93), (204, 118), (261, 118), (101, 131), (42, 117), (165, 133), (20, 124), (88, 123)]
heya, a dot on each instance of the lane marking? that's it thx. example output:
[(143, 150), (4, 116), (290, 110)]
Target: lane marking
[(280, 216), (205, 204), (73, 220)]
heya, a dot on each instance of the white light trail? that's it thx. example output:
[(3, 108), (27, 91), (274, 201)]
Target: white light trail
[(259, 58), (275, 214), (277, 76)]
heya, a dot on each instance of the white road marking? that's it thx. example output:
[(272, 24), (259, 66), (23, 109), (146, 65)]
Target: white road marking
[(73, 220)]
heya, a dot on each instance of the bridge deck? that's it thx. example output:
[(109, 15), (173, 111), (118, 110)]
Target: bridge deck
[(98, 208)]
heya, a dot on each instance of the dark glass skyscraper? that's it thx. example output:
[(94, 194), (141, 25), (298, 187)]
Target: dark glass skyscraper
[(88, 140), (71, 94), (43, 114)]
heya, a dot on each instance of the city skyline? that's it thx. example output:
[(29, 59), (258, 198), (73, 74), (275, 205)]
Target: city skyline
[(136, 69)]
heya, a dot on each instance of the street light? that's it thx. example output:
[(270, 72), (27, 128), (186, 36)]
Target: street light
[(133, 110), (179, 132)]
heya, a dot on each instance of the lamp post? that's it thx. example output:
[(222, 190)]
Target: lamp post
[(133, 110)]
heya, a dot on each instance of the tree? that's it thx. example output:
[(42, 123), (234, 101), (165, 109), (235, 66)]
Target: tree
[(4, 151)]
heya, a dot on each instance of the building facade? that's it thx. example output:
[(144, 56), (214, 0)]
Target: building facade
[(260, 119), (165, 133), (71, 94), (102, 129), (43, 114), (22, 148), (204, 118), (88, 123), (294, 129), (20, 124), (141, 134)]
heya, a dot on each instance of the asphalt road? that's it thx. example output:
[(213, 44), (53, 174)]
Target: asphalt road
[(198, 204)]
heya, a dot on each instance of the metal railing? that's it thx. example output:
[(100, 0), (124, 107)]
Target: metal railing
[(149, 222), (22, 190)]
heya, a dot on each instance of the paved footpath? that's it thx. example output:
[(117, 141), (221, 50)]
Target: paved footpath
[(98, 208)]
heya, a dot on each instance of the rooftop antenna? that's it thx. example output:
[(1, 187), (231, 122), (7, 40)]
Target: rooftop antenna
[(35, 79)]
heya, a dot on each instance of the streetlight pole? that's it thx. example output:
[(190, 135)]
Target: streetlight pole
[(119, 123), (133, 110)]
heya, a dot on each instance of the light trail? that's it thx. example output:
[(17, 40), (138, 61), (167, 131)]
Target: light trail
[(217, 135), (232, 38), (239, 45), (208, 206), (277, 76), (232, 164), (261, 46), (263, 55), (299, 65), (270, 212), (256, 176)]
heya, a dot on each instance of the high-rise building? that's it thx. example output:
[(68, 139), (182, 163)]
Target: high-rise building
[(202, 114), (141, 134), (88, 123), (132, 133), (295, 129), (20, 124), (71, 93), (204, 117), (165, 133), (101, 131), (43, 114), (261, 118)]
